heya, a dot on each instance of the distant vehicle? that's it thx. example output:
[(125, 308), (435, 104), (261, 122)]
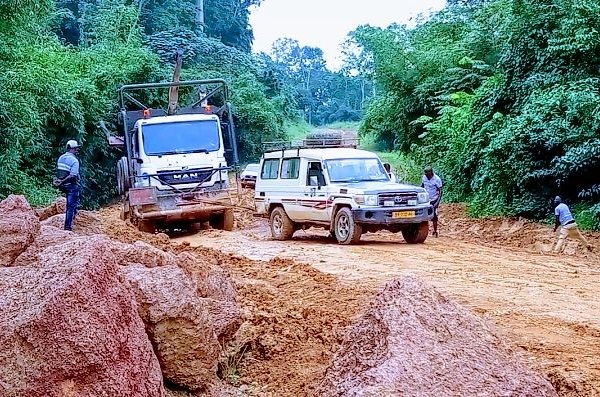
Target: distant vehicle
[(333, 185), (249, 175)]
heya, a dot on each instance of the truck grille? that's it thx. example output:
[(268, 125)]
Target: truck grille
[(399, 198), (187, 176)]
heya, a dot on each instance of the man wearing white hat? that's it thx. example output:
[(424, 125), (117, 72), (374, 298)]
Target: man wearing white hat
[(568, 227), (67, 180)]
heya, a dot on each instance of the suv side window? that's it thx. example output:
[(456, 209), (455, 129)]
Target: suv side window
[(290, 168), (270, 169), (315, 175)]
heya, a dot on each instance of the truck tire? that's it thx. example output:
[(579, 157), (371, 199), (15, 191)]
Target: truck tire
[(417, 233), (146, 226), (346, 230), (123, 182), (224, 221), (282, 227)]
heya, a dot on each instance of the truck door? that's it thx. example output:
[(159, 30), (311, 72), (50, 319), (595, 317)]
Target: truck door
[(315, 197)]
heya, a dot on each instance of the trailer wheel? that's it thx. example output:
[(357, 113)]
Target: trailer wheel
[(417, 233)]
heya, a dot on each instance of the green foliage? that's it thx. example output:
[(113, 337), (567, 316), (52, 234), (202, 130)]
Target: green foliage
[(53, 93), (258, 118), (501, 97), (406, 165), (322, 95), (296, 130)]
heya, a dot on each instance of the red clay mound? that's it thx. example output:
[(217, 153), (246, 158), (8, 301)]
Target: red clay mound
[(413, 341), (57, 207), (183, 327), (70, 328), (49, 236), (19, 225), (86, 222)]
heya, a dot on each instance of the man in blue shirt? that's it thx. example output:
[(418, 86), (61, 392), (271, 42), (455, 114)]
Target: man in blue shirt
[(67, 180), (568, 227), (433, 185)]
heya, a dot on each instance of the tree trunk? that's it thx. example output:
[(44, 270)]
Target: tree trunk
[(200, 14)]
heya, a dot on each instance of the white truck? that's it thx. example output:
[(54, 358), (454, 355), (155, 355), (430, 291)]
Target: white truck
[(337, 187), (175, 169)]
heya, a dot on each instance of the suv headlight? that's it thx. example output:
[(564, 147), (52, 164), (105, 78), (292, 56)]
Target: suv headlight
[(366, 199), (422, 197)]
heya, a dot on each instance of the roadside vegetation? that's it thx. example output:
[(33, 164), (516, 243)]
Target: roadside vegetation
[(501, 97), (62, 61)]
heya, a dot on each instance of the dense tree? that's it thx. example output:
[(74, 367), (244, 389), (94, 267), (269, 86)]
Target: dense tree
[(323, 95), (62, 63), (501, 97)]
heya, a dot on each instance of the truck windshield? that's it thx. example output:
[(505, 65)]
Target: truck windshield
[(181, 137), (356, 170)]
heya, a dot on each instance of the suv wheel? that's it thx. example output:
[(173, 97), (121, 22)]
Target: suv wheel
[(417, 233), (282, 227), (346, 230)]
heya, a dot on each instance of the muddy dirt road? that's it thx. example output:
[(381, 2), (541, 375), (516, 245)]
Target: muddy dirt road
[(547, 304)]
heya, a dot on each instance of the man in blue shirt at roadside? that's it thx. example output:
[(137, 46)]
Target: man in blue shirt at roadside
[(568, 227), (433, 186), (67, 180)]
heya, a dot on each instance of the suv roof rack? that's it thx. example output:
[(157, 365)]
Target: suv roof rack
[(310, 143)]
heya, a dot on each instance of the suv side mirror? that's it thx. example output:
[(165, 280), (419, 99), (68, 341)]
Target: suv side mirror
[(314, 181)]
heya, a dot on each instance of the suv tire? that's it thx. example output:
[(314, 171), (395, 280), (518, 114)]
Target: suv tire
[(282, 227), (346, 230), (416, 233)]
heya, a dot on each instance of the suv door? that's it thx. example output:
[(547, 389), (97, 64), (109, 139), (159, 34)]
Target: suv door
[(314, 202), (290, 185)]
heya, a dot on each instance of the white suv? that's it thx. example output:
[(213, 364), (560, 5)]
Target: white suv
[(342, 189)]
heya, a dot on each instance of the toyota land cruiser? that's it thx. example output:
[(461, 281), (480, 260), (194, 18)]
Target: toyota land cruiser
[(342, 189)]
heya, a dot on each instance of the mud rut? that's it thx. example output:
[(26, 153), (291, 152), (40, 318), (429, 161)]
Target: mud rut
[(299, 295)]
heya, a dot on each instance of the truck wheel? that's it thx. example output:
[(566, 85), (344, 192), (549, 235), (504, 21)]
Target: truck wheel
[(223, 221), (282, 227), (417, 233), (228, 220), (346, 230), (123, 181), (147, 226)]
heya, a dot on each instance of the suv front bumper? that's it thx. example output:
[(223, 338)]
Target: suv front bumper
[(384, 216)]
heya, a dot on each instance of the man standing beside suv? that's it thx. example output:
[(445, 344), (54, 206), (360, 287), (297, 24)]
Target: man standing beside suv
[(433, 185)]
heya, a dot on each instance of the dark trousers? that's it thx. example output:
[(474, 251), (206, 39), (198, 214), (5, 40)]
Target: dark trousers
[(435, 210), (72, 193)]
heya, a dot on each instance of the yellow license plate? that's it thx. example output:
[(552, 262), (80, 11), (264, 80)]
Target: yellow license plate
[(403, 214)]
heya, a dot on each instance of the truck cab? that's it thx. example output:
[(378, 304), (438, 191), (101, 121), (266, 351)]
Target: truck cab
[(342, 189), (168, 145)]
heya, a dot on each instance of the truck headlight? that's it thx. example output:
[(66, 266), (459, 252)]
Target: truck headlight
[(366, 199), (422, 197)]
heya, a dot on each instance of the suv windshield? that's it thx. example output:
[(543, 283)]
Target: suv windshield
[(181, 137), (356, 170)]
